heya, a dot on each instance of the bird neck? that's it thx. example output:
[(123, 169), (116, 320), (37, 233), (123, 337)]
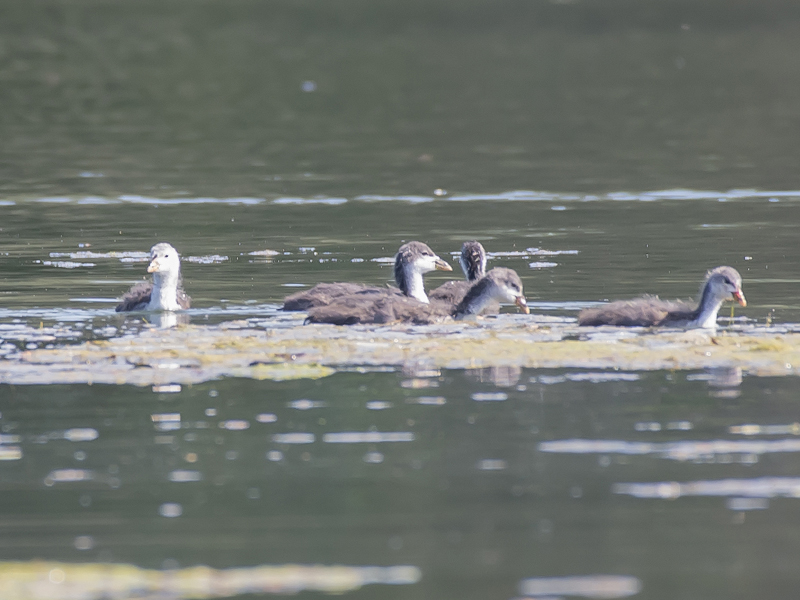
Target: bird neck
[(473, 271), (410, 282), (165, 291), (707, 309), (478, 298)]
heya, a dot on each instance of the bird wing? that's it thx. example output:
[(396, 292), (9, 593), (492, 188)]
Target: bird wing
[(450, 292), (372, 307), (322, 294), (136, 298), (353, 309), (184, 300), (643, 312)]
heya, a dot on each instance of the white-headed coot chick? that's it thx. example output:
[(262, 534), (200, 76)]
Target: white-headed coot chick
[(499, 285), (473, 263), (411, 262), (720, 284), (164, 292)]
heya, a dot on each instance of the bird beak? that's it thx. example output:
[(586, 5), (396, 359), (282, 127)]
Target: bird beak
[(739, 297), (153, 267), (523, 305), (442, 266)]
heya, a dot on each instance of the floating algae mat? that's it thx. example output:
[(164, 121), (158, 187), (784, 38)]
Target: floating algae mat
[(63, 581), (283, 348)]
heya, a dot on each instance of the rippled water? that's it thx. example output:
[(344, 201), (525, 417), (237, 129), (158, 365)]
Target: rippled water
[(482, 479), (246, 258), (601, 150)]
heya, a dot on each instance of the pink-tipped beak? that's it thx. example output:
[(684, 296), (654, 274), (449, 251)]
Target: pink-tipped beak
[(153, 267), (522, 304), (739, 297)]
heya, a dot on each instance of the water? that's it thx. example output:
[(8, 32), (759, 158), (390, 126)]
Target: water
[(170, 99), (601, 150), (592, 250), (455, 477)]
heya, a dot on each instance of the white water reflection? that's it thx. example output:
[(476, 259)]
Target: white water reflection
[(167, 388), (234, 425), (489, 396), (759, 487), (428, 400), (518, 196), (492, 464), (183, 476), (743, 504), (753, 429), (373, 458), (586, 586), (656, 426), (419, 384), (81, 434), (170, 510), (306, 404), (10, 453), (166, 421), (371, 437), (206, 260), (603, 376), (68, 475), (124, 255), (499, 376), (745, 451), (63, 264), (378, 405), (293, 438)]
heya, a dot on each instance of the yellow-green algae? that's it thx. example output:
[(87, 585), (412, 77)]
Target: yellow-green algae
[(41, 580), (194, 353)]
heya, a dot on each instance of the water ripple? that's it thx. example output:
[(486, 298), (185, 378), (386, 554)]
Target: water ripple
[(510, 196)]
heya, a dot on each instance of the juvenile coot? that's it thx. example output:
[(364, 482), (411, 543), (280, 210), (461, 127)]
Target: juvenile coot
[(720, 284), (411, 262), (165, 292), (473, 263), (499, 285)]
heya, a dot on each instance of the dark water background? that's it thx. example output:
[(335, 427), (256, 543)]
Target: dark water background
[(322, 131), (206, 98)]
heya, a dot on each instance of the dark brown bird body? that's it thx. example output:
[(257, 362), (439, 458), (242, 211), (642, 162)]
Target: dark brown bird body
[(412, 260), (138, 298), (500, 284), (473, 263), (640, 312), (719, 285), (323, 294), (370, 308)]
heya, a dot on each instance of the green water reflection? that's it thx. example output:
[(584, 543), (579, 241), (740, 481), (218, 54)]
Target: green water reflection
[(466, 494), (171, 98), (107, 105)]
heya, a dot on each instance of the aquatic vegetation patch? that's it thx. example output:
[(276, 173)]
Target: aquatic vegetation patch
[(89, 581), (259, 349)]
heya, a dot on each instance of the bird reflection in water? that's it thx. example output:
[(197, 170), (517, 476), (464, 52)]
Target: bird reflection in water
[(499, 376), (167, 319), (724, 382)]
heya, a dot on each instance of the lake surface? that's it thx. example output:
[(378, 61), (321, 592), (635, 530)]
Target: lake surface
[(601, 150)]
